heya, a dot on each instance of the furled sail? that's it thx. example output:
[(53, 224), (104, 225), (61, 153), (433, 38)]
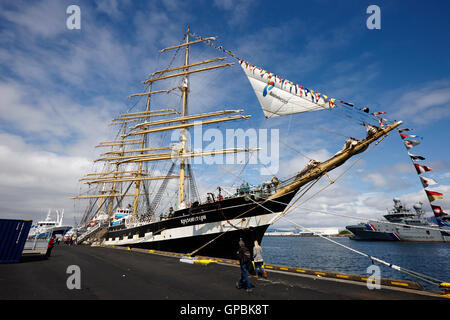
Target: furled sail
[(280, 97)]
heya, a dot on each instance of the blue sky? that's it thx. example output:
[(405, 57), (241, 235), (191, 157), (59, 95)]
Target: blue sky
[(60, 88)]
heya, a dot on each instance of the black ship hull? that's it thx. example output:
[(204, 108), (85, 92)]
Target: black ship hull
[(211, 229), (362, 233), (223, 245)]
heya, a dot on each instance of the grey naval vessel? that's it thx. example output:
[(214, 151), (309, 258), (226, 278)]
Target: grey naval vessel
[(402, 224)]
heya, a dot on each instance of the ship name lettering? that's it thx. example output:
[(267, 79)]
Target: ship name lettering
[(193, 219)]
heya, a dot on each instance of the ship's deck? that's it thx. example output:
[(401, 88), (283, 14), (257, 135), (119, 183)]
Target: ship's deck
[(109, 273)]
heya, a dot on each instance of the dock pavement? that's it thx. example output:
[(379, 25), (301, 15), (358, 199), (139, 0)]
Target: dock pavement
[(118, 274)]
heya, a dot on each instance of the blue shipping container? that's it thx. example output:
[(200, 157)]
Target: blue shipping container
[(13, 235)]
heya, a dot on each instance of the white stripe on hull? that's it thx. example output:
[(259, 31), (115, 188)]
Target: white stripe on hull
[(411, 233), (196, 230)]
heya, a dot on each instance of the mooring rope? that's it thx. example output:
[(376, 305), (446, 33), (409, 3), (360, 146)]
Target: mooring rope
[(221, 234), (418, 275), (291, 207), (276, 218)]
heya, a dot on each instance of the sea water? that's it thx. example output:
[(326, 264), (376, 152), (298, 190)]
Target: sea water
[(431, 259)]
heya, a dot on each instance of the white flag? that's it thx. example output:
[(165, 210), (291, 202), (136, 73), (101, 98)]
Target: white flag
[(427, 181), (410, 143)]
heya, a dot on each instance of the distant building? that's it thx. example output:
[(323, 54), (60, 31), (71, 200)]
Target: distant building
[(280, 234), (330, 231)]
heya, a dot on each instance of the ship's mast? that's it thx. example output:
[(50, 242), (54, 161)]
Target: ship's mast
[(139, 174), (184, 90), (113, 190), (139, 153)]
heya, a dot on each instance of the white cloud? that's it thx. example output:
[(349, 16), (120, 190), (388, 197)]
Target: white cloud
[(388, 178), (42, 18), (49, 146), (33, 181), (378, 180), (238, 9), (110, 7), (52, 118), (422, 104)]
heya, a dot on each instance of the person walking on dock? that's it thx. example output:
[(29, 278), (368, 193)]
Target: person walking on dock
[(51, 244), (258, 259), (244, 261)]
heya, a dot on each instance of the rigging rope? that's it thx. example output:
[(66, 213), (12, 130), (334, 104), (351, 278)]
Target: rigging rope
[(194, 196), (315, 181), (423, 277), (418, 275), (291, 207), (343, 103), (221, 234), (339, 176)]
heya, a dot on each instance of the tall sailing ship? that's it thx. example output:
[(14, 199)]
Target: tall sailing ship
[(193, 226)]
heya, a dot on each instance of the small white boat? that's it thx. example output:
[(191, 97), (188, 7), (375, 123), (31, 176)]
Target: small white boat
[(50, 226)]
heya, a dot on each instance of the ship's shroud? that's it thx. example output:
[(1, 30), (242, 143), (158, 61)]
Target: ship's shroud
[(190, 229), (213, 228), (222, 223)]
